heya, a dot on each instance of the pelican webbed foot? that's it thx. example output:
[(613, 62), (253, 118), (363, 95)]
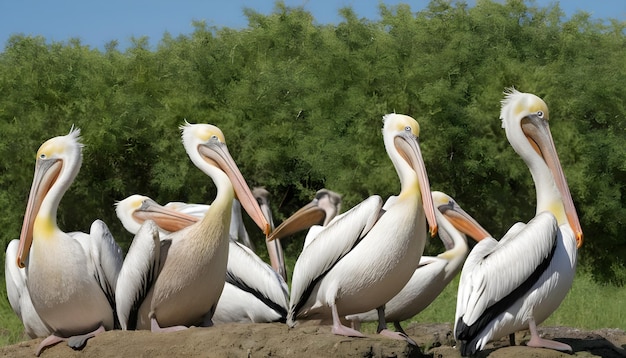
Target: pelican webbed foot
[(340, 329), (154, 327), (537, 342), (47, 342), (78, 342), (382, 328), (397, 335)]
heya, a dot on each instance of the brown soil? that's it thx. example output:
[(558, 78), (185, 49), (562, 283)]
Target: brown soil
[(277, 340)]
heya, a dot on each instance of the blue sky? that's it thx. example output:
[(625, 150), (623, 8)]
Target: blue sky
[(97, 22)]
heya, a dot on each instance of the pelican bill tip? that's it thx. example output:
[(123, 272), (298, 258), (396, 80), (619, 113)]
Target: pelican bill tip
[(579, 240), (433, 231)]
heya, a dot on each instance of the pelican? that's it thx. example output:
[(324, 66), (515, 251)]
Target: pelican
[(71, 277), (174, 283), (365, 256), (518, 282), (433, 273), (18, 295), (253, 291)]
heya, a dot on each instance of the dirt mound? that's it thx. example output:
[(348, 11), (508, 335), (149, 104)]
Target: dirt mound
[(277, 340)]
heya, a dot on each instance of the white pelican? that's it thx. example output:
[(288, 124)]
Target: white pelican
[(253, 291), (433, 273), (518, 282), (70, 277), (175, 283), (365, 256), (18, 295)]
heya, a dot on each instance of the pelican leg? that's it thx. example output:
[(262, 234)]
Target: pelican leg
[(512, 339), (47, 342), (382, 328), (79, 342), (154, 327), (356, 324), (398, 328), (538, 342), (339, 328), (207, 320)]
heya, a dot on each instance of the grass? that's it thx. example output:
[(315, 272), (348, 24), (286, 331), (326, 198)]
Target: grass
[(588, 305), (11, 329)]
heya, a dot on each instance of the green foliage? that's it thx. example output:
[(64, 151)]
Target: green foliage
[(301, 106)]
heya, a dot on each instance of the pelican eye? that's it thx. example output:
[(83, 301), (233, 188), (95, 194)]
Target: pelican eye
[(540, 114), (214, 138), (42, 156), (408, 128)]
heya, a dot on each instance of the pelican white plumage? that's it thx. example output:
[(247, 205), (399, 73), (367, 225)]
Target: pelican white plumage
[(365, 256), (18, 295), (71, 277), (518, 282), (434, 272), (253, 291), (175, 283)]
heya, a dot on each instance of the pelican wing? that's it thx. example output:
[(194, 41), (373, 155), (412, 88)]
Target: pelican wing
[(237, 229), (331, 244), (249, 273), (107, 258), (15, 277), (18, 295), (496, 274), (138, 273)]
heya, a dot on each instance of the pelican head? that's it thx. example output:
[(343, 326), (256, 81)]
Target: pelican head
[(525, 120), (57, 163), (136, 209), (263, 199), (401, 136), (460, 219), (206, 146), (320, 211)]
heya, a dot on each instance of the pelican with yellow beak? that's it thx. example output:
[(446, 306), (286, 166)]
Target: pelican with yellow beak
[(361, 259), (70, 277), (176, 282), (518, 282)]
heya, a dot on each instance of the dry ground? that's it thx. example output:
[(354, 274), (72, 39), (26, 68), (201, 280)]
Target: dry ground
[(277, 340)]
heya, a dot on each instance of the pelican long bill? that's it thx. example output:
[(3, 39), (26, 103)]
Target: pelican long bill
[(167, 219), (307, 216), (538, 133), (46, 173), (408, 147), (218, 153)]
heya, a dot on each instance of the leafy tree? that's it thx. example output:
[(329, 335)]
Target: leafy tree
[(301, 105)]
